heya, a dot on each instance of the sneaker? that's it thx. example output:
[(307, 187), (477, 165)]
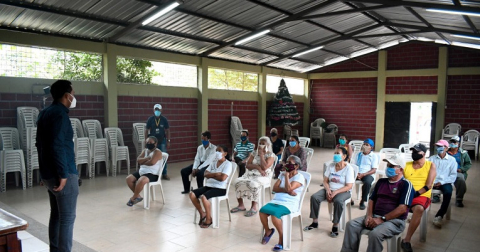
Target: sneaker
[(166, 177), (361, 206), (437, 222), (406, 246), (459, 204), (312, 226), (436, 199)]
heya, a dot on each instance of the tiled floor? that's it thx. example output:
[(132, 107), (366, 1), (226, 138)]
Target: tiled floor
[(105, 223)]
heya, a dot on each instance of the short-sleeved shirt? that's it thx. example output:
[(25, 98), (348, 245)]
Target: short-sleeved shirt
[(225, 168), (388, 196), (277, 145), (285, 199), (418, 177), (157, 127), (458, 159), (338, 179), (367, 162), (243, 149)]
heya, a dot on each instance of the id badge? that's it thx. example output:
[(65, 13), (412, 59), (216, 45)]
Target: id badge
[(157, 131)]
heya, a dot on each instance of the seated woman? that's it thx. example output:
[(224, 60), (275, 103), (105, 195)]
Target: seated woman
[(216, 185), (150, 161), (338, 182), (343, 142), (288, 190), (277, 143), (293, 148), (258, 173)]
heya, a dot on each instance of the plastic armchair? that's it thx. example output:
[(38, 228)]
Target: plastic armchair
[(83, 155), (77, 128), (32, 156), (407, 153), (98, 144), (356, 146), (470, 141), (423, 224), (385, 153), (451, 130), (393, 243), (215, 202), (309, 156), (358, 183), (347, 206), (139, 138), (329, 136), (117, 149), (304, 141), (11, 157), (150, 185), (26, 118), (269, 185), (316, 130)]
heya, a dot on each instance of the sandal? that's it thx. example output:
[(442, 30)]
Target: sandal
[(277, 247), (237, 209), (202, 220), (206, 225), (266, 239), (311, 226), (130, 203), (137, 200), (334, 232), (250, 213)]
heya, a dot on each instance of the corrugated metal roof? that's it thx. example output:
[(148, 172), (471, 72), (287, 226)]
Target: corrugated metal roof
[(293, 65), (345, 47), (293, 6), (237, 54), (274, 45), (303, 31)]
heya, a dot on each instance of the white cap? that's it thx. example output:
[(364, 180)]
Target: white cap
[(157, 106), (396, 159)]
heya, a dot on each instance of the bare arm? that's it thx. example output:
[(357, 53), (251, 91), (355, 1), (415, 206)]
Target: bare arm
[(157, 155), (141, 159), (215, 175)]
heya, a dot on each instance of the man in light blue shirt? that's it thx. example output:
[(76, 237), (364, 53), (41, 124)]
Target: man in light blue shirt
[(367, 163), (446, 176)]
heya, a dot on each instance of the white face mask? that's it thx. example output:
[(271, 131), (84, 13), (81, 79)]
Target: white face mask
[(262, 146), (219, 155), (73, 102)]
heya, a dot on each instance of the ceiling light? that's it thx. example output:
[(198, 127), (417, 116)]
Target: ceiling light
[(362, 52), (441, 41), (311, 68), (454, 12), (334, 60), (464, 36), (308, 51), (424, 39), (474, 46), (161, 13), (254, 36)]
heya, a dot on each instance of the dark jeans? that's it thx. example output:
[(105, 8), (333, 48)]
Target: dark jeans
[(447, 190), (63, 206), (367, 185), (163, 147), (185, 172), (241, 166)]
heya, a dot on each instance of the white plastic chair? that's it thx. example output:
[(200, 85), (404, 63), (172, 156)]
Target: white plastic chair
[(407, 153), (329, 138), (215, 202), (32, 156), (11, 157), (358, 183), (385, 153), (83, 155), (309, 156), (316, 130), (269, 186), (393, 243), (117, 149), (304, 141), (451, 130), (26, 117), (470, 141), (356, 146), (346, 207), (77, 128), (98, 144), (150, 186), (423, 224), (449, 209), (139, 138)]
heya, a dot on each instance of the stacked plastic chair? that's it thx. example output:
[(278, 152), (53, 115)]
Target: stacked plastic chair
[(329, 136), (316, 130), (117, 149), (82, 147), (304, 141), (470, 141), (11, 156), (26, 117), (98, 145), (32, 156), (235, 130), (451, 130), (139, 138)]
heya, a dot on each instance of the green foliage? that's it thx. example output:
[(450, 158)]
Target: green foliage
[(232, 80), (135, 71), (77, 66)]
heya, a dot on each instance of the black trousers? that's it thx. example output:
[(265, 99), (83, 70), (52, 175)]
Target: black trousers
[(241, 166), (185, 172)]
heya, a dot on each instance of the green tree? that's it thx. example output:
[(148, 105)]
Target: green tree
[(77, 66), (135, 71), (232, 80)]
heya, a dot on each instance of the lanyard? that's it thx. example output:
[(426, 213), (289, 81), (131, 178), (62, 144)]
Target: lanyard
[(157, 122)]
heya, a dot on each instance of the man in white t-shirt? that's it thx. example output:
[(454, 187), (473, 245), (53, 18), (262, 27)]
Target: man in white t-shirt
[(367, 163)]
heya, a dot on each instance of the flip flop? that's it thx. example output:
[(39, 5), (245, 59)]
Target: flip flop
[(236, 210), (130, 203), (250, 213), (137, 200), (266, 239), (206, 225), (277, 247), (202, 220)]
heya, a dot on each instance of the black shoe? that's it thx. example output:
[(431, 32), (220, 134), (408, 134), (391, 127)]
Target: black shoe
[(352, 203), (459, 204), (362, 206), (312, 226), (334, 232), (185, 192), (436, 199), (406, 246)]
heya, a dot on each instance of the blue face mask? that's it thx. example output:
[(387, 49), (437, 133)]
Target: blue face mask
[(341, 141), (390, 172), (440, 150), (205, 142), (452, 145), (243, 138), (292, 143), (337, 158), (157, 113)]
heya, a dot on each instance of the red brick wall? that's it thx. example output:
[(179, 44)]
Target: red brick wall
[(219, 113), (364, 63), (463, 57), (298, 127), (348, 103), (463, 101), (182, 115), (412, 56), (412, 85)]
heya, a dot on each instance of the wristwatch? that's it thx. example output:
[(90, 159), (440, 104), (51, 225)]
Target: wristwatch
[(384, 218), (168, 140)]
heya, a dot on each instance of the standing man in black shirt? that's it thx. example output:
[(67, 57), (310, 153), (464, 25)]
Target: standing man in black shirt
[(56, 158), (157, 126)]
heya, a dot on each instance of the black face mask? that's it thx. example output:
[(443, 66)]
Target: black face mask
[(416, 156), (273, 134), (150, 146)]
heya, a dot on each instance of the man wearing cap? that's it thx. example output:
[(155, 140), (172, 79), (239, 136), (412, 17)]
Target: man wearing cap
[(367, 163), (463, 164), (421, 174), (157, 126), (386, 212), (446, 175)]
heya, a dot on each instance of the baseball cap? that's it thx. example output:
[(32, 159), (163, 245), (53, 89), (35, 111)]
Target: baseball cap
[(157, 106), (455, 139), (369, 141), (419, 147), (442, 142), (396, 159)]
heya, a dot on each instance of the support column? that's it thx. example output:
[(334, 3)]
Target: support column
[(202, 96), (110, 84), (381, 86), (306, 108), (262, 102), (441, 91)]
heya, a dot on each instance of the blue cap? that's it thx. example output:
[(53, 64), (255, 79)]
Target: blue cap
[(369, 141)]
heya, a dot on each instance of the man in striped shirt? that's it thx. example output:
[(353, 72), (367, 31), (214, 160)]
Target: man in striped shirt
[(241, 152)]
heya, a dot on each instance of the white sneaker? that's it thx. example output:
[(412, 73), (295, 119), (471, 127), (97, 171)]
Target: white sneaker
[(437, 222)]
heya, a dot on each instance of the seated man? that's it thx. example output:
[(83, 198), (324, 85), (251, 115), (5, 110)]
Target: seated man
[(203, 158), (446, 175), (386, 212), (277, 143), (421, 174), (367, 163), (242, 152), (150, 161), (464, 163)]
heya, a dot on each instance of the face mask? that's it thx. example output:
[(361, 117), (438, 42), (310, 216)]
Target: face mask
[(440, 150), (289, 167), (390, 172), (219, 155), (452, 145), (243, 138), (366, 148), (205, 142), (261, 146), (157, 113), (73, 102), (342, 141), (416, 156), (273, 134), (150, 146), (337, 158), (292, 143)]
